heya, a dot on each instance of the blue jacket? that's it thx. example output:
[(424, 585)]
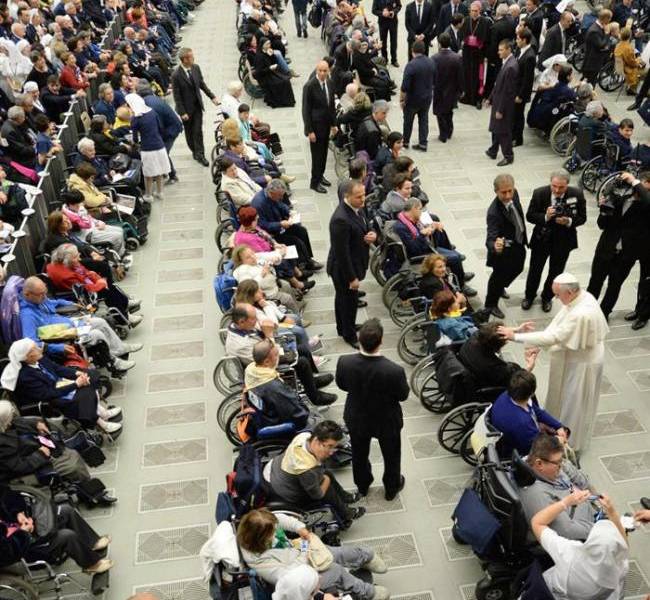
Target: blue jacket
[(170, 122), (417, 246), (104, 108), (33, 316), (148, 128), (270, 213), (519, 426), (457, 329)]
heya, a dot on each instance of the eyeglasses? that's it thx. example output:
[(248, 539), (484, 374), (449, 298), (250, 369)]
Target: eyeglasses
[(557, 463)]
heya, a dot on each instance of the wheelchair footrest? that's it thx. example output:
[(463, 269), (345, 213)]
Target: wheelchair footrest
[(99, 583)]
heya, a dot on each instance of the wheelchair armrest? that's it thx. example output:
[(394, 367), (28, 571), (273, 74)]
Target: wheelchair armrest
[(275, 430), (417, 259)]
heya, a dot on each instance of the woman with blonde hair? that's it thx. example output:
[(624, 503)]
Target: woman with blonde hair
[(632, 65)]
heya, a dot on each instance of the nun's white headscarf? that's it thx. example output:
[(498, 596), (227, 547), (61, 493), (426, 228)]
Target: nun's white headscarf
[(136, 104), (17, 354), (297, 584)]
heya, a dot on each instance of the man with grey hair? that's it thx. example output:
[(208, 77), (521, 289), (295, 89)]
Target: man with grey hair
[(575, 340), (369, 136), (187, 84), (556, 211), (20, 146), (347, 99)]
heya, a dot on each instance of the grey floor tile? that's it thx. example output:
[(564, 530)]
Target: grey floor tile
[(173, 494), (428, 595), (442, 491), (176, 350), (181, 235), (426, 446), (175, 414), (174, 452), (398, 551), (170, 544), (376, 504), (180, 323), (630, 347), (627, 466), (619, 422), (176, 298), (181, 380), (181, 254), (173, 275), (110, 465), (453, 549), (641, 379), (184, 589), (636, 582)]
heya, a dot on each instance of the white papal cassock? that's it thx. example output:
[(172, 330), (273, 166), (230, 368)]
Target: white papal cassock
[(575, 340)]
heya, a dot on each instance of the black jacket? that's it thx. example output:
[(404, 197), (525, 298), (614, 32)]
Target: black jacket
[(597, 46), (281, 405), (417, 82), (19, 450), (534, 22), (392, 5), (34, 385), (422, 27), (187, 92), (368, 137), (549, 232), (318, 112), (456, 37), (552, 44), (20, 146), (502, 29), (375, 387), (414, 246), (448, 81), (489, 369), (55, 104), (526, 77), (444, 18), (348, 255), (499, 225), (631, 228)]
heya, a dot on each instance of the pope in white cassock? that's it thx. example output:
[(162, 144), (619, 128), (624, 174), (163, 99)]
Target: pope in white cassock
[(575, 340)]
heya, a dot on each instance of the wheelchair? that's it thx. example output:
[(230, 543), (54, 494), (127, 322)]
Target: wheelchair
[(27, 580), (610, 77), (563, 134), (606, 162)]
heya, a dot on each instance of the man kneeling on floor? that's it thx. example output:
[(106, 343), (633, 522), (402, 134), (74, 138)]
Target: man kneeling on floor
[(299, 475)]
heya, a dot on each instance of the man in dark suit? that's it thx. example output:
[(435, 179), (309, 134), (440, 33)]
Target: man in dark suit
[(534, 20), (454, 33), (369, 135), (187, 84), (597, 46), (319, 118), (447, 13), (415, 95), (386, 12), (556, 210), (526, 62), (448, 83), (503, 106), (624, 240), (556, 38), (375, 387), (348, 257), (419, 21), (506, 241), (503, 28)]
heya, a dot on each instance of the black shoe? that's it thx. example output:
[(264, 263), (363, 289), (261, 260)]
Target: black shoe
[(318, 188), (633, 106), (203, 160), (630, 93), (469, 292), (495, 311), (469, 275), (106, 499), (352, 342), (325, 182), (645, 502), (505, 295), (547, 305), (306, 274), (300, 33), (324, 399), (505, 161), (419, 147), (479, 105), (360, 293), (517, 143), (314, 266), (305, 34), (354, 497), (361, 303), (631, 316), (443, 140), (321, 381), (171, 180), (639, 324), (391, 495), (526, 304), (394, 63), (357, 327), (490, 155), (357, 512), (362, 493), (307, 285), (405, 145)]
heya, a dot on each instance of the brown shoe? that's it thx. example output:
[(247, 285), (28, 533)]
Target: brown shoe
[(102, 543)]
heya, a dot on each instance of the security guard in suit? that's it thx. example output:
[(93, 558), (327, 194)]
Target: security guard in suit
[(386, 12), (556, 210)]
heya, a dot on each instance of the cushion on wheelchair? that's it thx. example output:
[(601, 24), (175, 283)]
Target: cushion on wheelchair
[(275, 430), (474, 523), (522, 472)]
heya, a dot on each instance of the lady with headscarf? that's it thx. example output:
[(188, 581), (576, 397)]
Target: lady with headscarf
[(300, 583), (276, 84), (16, 64), (545, 110), (146, 127), (475, 33), (35, 378), (589, 570)]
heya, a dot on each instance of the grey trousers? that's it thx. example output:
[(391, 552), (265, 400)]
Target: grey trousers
[(71, 466), (101, 330), (338, 578)]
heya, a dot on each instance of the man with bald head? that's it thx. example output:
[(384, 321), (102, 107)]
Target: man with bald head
[(319, 118)]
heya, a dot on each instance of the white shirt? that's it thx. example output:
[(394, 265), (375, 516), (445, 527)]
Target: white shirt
[(230, 105)]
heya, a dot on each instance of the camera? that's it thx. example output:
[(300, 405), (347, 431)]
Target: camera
[(614, 193), (567, 207)]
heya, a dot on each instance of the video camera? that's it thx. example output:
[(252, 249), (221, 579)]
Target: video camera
[(614, 191)]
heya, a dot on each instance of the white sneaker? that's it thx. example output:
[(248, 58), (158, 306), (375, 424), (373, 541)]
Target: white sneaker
[(319, 361), (135, 320), (158, 196), (381, 593), (133, 347), (124, 365), (148, 199), (109, 427), (376, 564), (111, 413), (134, 304)]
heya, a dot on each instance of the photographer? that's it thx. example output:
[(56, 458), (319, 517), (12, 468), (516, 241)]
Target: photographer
[(625, 223), (556, 210)]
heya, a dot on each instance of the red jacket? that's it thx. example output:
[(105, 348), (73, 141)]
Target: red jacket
[(69, 79), (64, 277)]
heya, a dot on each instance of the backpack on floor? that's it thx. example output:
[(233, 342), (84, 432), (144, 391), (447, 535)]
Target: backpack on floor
[(245, 481)]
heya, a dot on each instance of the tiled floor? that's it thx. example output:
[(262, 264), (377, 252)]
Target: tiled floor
[(171, 461)]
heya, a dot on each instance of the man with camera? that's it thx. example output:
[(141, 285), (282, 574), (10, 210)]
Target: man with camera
[(625, 222), (556, 210)]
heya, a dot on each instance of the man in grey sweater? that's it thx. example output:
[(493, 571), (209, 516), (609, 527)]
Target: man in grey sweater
[(557, 479)]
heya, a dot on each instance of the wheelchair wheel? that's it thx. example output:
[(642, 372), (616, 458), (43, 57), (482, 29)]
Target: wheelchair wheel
[(419, 374), (228, 375), (231, 427), (17, 588), (229, 404), (561, 136), (489, 589), (223, 233), (457, 423), (223, 213), (593, 173), (401, 311), (105, 387), (252, 89), (412, 345), (132, 244), (375, 266), (609, 79), (242, 68), (224, 323), (432, 397), (392, 287), (341, 161), (577, 58)]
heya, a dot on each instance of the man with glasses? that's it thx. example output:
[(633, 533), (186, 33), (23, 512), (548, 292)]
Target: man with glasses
[(555, 480), (300, 477)]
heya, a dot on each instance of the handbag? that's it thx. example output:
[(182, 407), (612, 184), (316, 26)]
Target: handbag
[(119, 163), (318, 554)]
